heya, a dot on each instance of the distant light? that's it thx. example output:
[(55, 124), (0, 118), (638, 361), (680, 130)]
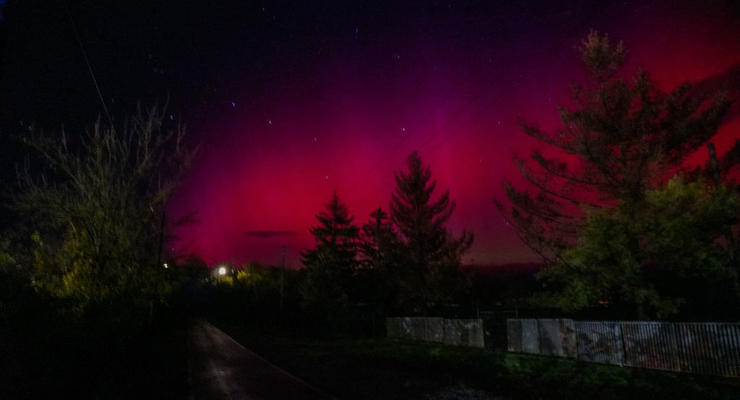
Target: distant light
[(222, 271), (166, 266)]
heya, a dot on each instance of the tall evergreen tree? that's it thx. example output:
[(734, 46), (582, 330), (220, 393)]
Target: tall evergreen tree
[(621, 140), (379, 260), (432, 256), (591, 213), (332, 263), (377, 241)]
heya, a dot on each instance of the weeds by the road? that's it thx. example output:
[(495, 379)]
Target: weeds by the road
[(380, 368), (46, 356)]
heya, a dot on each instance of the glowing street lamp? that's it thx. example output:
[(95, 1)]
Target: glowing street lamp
[(222, 271)]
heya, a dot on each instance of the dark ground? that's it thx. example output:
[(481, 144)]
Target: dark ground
[(52, 357), (385, 369), (221, 368), (76, 363)]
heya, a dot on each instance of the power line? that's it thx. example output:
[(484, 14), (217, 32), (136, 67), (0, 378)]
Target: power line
[(87, 62)]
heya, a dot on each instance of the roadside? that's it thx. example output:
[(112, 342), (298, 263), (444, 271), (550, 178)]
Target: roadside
[(379, 368), (221, 368), (51, 357)]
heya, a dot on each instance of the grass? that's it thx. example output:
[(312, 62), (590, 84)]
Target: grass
[(381, 368)]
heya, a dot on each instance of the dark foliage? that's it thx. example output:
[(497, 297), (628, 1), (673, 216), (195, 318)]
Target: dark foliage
[(591, 211), (331, 265), (619, 141), (87, 310), (430, 265)]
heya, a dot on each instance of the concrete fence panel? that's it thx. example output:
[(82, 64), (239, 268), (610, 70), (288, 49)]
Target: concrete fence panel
[(458, 332), (464, 332), (557, 337), (429, 329), (554, 337), (514, 335), (600, 342), (530, 336), (424, 329)]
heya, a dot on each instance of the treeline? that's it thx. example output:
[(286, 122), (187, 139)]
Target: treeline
[(404, 261), (624, 223), (625, 228)]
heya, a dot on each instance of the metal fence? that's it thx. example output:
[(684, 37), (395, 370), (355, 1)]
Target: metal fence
[(711, 348)]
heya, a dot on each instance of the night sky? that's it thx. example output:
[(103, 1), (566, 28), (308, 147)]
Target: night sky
[(290, 102)]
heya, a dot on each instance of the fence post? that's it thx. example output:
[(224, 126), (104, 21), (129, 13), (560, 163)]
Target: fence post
[(623, 356)]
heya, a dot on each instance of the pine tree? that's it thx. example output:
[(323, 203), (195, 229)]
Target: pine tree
[(589, 213), (332, 263), (377, 241), (379, 260), (432, 255), (621, 140)]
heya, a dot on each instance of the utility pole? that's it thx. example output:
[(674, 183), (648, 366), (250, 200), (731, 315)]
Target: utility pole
[(161, 240), (282, 277)]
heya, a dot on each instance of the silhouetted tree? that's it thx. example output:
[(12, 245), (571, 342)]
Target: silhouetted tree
[(378, 241), (98, 212), (430, 273), (194, 268), (378, 277), (332, 263), (621, 141), (682, 262)]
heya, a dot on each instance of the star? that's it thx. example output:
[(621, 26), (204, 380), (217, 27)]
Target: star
[(233, 104)]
